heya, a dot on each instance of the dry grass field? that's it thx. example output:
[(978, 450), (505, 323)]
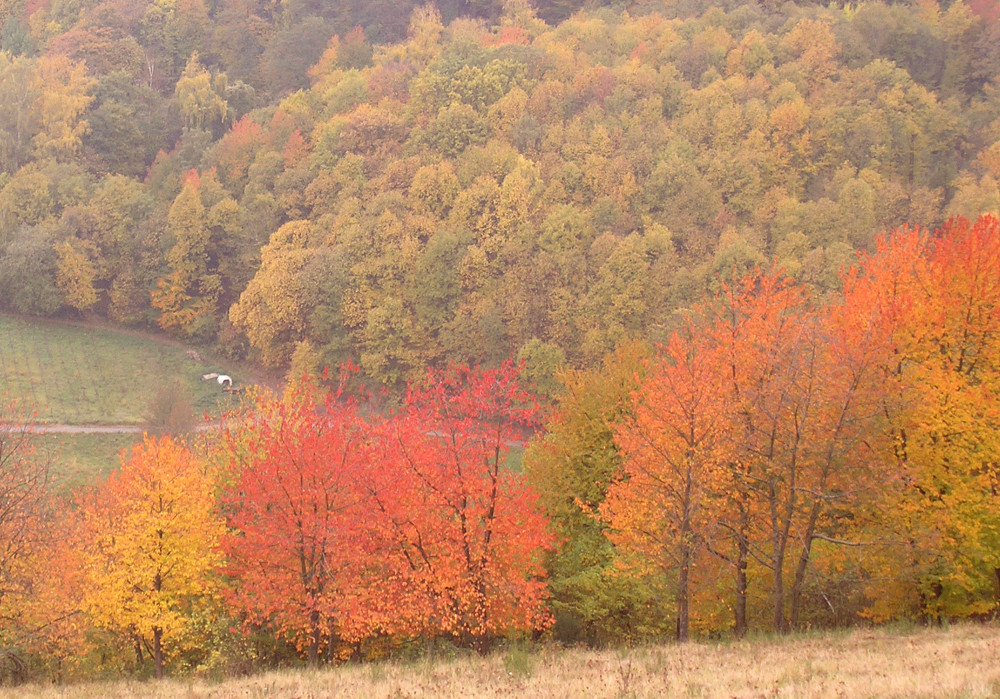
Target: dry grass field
[(958, 661)]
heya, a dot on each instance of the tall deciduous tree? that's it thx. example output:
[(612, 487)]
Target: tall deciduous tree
[(472, 533), (152, 542), (571, 467), (674, 448), (294, 514), (76, 273), (187, 297), (25, 514), (272, 310), (198, 98), (938, 300), (802, 403), (63, 89)]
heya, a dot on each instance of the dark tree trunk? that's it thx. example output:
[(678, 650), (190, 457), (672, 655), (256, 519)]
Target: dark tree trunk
[(683, 597), (742, 554), (158, 652), (314, 641), (803, 566)]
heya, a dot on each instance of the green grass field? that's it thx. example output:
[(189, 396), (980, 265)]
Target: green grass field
[(89, 376), (83, 459), (79, 375)]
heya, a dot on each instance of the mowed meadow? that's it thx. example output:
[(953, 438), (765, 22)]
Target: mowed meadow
[(955, 661), (94, 390), (81, 375)]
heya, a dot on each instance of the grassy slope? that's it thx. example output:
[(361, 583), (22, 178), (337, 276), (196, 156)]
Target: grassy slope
[(960, 661), (81, 375), (84, 459)]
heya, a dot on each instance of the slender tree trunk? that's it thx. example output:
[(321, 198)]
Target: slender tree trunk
[(742, 554), (158, 652), (314, 640), (778, 599), (683, 595), (784, 534), (777, 566), (803, 566), (687, 543), (481, 640)]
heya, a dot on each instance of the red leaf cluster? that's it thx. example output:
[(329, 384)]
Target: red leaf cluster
[(410, 524)]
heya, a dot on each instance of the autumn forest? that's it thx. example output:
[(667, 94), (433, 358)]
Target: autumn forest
[(599, 323)]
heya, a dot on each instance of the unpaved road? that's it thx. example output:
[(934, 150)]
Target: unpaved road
[(97, 429), (87, 429)]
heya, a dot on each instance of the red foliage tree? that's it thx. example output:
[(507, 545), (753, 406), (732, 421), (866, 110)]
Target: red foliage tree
[(408, 525), (292, 507), (465, 532)]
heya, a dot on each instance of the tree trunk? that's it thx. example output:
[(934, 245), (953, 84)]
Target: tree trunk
[(314, 641), (778, 599), (683, 596), (158, 652), (742, 554), (803, 566), (778, 542)]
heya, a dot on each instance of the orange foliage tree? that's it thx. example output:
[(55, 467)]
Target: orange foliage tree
[(27, 527), (751, 439), (52, 624), (937, 300), (674, 450), (801, 388)]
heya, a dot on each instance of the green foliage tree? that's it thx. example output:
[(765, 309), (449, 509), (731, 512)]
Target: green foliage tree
[(198, 97), (594, 598)]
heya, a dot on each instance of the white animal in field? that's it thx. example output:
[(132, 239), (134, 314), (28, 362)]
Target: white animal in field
[(224, 381)]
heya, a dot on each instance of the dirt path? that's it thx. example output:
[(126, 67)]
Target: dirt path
[(86, 429), (40, 428)]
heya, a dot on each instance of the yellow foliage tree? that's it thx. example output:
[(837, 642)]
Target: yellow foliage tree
[(76, 273), (152, 537), (188, 296), (939, 297), (63, 88), (197, 96), (272, 310)]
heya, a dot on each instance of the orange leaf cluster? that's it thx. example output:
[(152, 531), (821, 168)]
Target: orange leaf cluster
[(774, 433)]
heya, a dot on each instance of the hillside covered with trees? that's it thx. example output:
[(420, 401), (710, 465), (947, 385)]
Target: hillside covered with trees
[(727, 273), (273, 179), (784, 461)]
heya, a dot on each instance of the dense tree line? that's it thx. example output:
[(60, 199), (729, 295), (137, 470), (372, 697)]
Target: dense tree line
[(486, 186), (306, 526), (785, 460), (591, 192)]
